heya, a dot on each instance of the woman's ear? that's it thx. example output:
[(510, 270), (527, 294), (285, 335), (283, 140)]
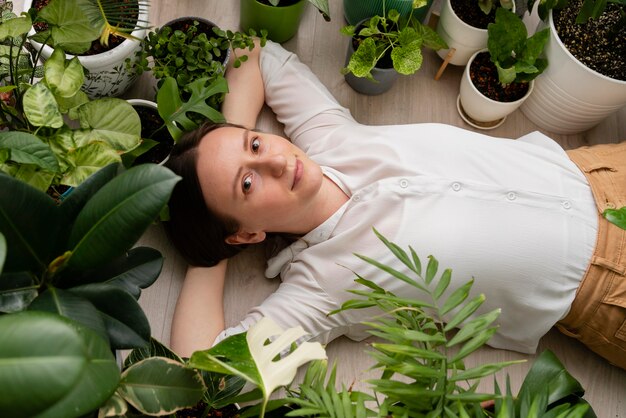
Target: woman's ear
[(242, 237)]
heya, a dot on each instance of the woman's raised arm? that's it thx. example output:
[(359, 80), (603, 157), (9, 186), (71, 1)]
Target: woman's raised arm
[(245, 96), (199, 314)]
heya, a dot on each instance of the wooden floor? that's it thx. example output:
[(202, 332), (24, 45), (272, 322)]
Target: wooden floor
[(413, 99)]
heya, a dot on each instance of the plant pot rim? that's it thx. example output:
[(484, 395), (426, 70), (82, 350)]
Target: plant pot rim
[(269, 6), (555, 34), (125, 48), (531, 83), (467, 25)]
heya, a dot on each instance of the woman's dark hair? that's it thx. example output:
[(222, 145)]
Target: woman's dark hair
[(196, 231)]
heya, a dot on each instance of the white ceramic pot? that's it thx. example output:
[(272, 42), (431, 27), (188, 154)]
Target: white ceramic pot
[(107, 74), (569, 97), (484, 112), (466, 39), (152, 105)]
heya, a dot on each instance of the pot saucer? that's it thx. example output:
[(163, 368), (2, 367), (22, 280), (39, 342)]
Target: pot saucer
[(476, 124)]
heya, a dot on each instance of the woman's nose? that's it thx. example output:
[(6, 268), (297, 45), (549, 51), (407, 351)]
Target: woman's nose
[(274, 164)]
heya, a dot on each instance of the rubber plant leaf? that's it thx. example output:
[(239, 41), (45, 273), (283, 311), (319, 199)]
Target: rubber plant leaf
[(52, 367), (25, 148), (25, 213), (126, 324), (70, 27), (71, 306), (118, 214), (153, 349), (616, 216), (115, 406), (173, 110), (16, 27), (64, 78), (73, 204), (40, 107), (161, 386), (109, 120), (87, 160)]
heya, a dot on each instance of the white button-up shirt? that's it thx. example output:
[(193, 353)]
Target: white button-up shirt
[(517, 216)]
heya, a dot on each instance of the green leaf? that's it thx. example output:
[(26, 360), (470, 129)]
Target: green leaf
[(26, 212), (110, 120), (174, 111), (63, 78), (160, 386), (125, 322), (87, 160), (473, 327), (616, 216), (391, 271), (71, 306), (16, 27), (52, 367), (71, 29), (407, 59), (481, 371), (431, 269), (465, 312), (474, 344), (41, 108), (456, 298), (363, 59), (114, 406), (72, 205), (17, 291), (442, 284), (25, 148), (153, 349), (118, 214), (431, 38)]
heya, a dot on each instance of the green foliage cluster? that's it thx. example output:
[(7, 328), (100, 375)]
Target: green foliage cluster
[(516, 57), (616, 216), (189, 66), (69, 283), (56, 135), (391, 35), (488, 5)]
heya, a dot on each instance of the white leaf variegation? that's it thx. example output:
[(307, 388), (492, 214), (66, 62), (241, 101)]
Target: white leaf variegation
[(279, 372)]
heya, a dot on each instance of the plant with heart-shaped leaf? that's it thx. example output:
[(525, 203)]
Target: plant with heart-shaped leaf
[(56, 135)]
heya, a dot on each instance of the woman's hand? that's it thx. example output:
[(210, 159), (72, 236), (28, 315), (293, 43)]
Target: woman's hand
[(199, 314)]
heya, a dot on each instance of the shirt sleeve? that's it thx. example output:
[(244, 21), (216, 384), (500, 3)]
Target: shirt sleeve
[(297, 97), (294, 304)]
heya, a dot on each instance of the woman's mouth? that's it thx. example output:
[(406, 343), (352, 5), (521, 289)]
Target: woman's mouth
[(297, 173)]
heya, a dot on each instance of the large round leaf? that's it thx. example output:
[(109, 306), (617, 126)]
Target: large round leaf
[(41, 108), (29, 220), (161, 386), (118, 214), (51, 367), (26, 148), (110, 120), (64, 78), (87, 160)]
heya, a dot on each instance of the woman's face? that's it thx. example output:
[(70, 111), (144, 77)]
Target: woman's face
[(262, 181)]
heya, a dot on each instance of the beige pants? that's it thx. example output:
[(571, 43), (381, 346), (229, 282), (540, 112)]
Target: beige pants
[(598, 314)]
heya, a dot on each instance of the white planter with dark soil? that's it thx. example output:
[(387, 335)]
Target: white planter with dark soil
[(466, 39), (107, 73), (481, 111), (570, 97)]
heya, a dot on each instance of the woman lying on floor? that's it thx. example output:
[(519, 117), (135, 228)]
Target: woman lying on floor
[(519, 216)]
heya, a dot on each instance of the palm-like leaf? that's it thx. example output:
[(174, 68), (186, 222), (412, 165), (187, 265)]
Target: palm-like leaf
[(117, 17)]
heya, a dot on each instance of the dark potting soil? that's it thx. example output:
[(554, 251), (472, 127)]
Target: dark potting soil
[(197, 411), (96, 46), (183, 25), (592, 43), (470, 13), (153, 127), (484, 76)]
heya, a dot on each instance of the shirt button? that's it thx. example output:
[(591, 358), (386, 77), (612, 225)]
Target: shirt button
[(566, 205), (404, 183), (356, 198), (511, 196), (456, 186)]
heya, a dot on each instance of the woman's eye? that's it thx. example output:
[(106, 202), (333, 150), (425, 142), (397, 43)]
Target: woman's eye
[(246, 184), (255, 145)]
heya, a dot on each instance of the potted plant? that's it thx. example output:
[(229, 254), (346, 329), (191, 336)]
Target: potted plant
[(102, 33), (280, 18), (357, 10), (55, 135), (69, 283), (188, 57), (586, 81), (382, 47), (463, 25), (498, 80), (156, 140)]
